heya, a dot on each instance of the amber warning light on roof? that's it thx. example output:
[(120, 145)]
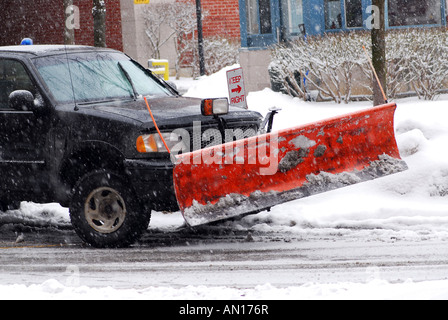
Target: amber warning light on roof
[(141, 1)]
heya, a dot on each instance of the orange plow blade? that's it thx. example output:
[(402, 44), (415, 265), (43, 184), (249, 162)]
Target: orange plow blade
[(258, 173)]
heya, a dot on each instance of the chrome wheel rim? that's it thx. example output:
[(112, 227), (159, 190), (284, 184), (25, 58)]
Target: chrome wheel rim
[(105, 210)]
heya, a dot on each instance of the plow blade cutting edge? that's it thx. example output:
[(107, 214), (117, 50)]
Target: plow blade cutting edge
[(257, 173)]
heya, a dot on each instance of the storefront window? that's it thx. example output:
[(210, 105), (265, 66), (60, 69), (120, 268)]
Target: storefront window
[(259, 17), (253, 26), (265, 16), (414, 12), (266, 22), (333, 14), (292, 16), (353, 13)]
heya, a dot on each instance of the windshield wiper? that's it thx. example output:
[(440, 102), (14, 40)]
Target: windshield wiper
[(134, 91)]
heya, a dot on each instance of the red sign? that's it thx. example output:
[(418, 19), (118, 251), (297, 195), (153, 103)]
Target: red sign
[(237, 92)]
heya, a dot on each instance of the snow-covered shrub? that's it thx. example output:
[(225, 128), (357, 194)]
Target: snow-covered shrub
[(184, 24), (334, 64), (218, 53), (429, 62), (326, 63), (286, 72), (398, 57), (157, 17), (417, 61)]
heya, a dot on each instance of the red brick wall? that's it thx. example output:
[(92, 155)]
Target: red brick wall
[(223, 18), (84, 35), (44, 20), (37, 19)]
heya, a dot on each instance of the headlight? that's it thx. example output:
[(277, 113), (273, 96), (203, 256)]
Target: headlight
[(152, 143), (215, 107)]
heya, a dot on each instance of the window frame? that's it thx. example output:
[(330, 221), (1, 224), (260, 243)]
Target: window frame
[(286, 26), (344, 25), (29, 74), (314, 20), (442, 22), (363, 16), (341, 7), (256, 41)]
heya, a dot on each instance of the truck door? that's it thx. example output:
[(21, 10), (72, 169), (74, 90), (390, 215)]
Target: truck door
[(22, 134)]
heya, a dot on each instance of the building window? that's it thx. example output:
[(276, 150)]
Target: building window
[(333, 14), (414, 12), (353, 13), (253, 27), (292, 17), (265, 16), (259, 17)]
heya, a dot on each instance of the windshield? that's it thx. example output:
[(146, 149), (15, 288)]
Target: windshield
[(98, 76)]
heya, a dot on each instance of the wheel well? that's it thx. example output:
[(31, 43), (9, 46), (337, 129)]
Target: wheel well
[(88, 158)]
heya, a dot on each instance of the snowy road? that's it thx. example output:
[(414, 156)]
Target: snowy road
[(219, 256)]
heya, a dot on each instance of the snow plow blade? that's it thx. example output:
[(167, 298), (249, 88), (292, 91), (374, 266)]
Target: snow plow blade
[(254, 174)]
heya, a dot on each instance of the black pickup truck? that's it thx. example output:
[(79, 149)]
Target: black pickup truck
[(75, 129)]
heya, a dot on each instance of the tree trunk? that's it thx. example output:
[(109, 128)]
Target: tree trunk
[(99, 23), (202, 70), (379, 54)]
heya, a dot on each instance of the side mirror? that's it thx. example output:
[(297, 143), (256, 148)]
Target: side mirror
[(21, 100)]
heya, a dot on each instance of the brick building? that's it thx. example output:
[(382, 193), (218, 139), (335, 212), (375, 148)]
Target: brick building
[(44, 20), (223, 18)]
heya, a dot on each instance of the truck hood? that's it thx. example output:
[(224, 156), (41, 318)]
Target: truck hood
[(168, 111), (162, 108)]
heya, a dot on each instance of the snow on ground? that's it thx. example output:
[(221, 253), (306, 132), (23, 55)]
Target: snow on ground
[(411, 205), (375, 289)]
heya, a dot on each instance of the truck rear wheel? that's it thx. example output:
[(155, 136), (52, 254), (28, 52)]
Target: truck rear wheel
[(105, 212)]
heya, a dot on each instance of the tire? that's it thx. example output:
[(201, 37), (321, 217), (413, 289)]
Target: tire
[(105, 211)]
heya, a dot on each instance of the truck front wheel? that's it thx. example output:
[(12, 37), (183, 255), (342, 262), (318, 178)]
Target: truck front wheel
[(105, 212)]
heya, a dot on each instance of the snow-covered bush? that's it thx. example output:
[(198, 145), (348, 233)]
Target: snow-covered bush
[(428, 62), (157, 17), (326, 63), (335, 65), (219, 53), (418, 62)]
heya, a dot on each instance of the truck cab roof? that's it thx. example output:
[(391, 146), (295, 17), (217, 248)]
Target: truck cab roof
[(43, 50)]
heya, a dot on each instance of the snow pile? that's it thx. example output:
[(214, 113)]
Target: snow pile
[(37, 215), (216, 85), (374, 289)]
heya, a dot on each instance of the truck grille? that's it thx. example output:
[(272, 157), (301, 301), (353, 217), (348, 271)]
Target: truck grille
[(213, 137)]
